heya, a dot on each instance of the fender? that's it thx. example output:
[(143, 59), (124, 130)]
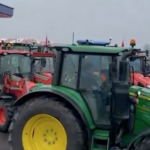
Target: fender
[(88, 121), (142, 134)]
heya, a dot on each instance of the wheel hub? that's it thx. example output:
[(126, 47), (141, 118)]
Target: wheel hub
[(50, 137)]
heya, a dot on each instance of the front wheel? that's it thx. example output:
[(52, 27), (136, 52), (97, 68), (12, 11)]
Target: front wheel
[(44, 124)]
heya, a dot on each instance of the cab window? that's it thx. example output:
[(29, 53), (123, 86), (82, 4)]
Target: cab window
[(95, 70), (95, 86), (69, 71)]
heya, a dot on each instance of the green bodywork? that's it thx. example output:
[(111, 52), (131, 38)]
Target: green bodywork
[(94, 49)]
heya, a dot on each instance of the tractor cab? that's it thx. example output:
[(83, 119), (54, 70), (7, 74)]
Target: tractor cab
[(103, 81), (42, 67), (17, 62), (15, 68)]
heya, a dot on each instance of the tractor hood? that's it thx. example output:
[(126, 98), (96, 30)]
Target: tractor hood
[(139, 79), (145, 93)]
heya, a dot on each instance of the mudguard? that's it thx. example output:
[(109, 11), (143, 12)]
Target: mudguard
[(82, 109), (144, 133)]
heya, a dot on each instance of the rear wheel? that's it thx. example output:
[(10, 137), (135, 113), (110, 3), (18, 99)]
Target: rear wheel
[(144, 145), (6, 113), (44, 124)]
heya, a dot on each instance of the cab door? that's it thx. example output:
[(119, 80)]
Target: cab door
[(95, 87)]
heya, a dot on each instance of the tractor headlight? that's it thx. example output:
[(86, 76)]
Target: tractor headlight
[(148, 86), (139, 93)]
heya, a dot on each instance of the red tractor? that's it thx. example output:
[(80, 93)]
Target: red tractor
[(20, 71), (139, 70)]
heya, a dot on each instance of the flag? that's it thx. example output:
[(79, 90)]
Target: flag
[(122, 44)]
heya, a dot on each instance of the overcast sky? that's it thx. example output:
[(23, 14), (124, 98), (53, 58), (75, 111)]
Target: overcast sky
[(89, 19)]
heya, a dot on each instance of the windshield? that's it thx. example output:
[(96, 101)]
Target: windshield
[(16, 63), (48, 67), (136, 64)]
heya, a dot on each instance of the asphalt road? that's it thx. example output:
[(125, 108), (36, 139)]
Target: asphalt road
[(4, 141)]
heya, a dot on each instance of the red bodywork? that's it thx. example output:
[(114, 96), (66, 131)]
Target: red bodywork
[(15, 85), (19, 86), (43, 77), (139, 78)]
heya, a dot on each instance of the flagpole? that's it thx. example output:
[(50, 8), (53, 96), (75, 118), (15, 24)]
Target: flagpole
[(73, 38)]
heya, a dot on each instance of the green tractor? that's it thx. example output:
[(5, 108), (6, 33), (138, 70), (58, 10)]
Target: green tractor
[(90, 105)]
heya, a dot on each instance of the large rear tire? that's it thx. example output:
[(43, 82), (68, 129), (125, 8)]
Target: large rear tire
[(6, 114), (45, 123)]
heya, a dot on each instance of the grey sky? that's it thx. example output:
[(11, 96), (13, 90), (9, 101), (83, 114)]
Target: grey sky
[(89, 19)]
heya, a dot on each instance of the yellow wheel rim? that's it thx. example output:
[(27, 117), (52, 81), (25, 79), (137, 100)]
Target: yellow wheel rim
[(44, 132)]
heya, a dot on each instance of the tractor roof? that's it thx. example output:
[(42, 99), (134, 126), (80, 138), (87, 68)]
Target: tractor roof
[(92, 49), (14, 52), (25, 44)]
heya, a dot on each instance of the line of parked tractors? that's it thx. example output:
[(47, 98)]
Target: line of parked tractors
[(84, 96)]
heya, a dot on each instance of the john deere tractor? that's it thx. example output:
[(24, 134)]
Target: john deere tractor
[(90, 105)]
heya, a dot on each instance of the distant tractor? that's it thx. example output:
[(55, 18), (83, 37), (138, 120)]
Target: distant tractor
[(90, 104), (20, 71)]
